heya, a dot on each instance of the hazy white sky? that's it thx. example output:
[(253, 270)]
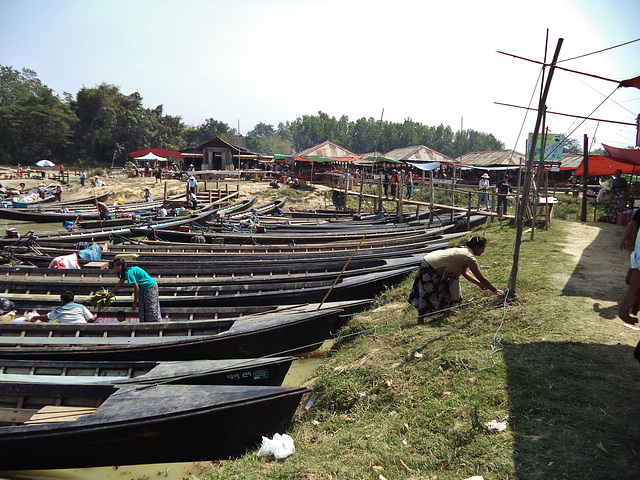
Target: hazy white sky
[(249, 61)]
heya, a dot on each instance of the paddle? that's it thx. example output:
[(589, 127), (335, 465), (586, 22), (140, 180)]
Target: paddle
[(341, 272)]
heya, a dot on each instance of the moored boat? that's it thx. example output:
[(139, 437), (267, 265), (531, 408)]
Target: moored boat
[(69, 426)]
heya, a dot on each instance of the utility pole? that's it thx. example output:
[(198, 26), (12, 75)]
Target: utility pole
[(524, 200)]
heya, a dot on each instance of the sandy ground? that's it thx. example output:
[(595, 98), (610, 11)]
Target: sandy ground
[(597, 279), (129, 189)]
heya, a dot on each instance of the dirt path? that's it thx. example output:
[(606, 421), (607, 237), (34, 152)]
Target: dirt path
[(597, 279)]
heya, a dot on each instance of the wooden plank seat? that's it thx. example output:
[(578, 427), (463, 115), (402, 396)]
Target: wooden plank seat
[(58, 413)]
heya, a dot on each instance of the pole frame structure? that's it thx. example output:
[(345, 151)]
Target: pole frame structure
[(527, 182)]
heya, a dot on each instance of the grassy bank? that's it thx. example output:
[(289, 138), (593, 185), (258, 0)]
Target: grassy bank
[(407, 401)]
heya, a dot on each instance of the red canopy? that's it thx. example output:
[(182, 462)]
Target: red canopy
[(160, 152), (623, 153), (603, 165)]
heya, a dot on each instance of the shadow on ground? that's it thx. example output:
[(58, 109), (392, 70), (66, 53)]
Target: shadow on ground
[(600, 270), (573, 410)]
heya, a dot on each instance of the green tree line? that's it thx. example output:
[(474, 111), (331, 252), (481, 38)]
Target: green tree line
[(100, 125)]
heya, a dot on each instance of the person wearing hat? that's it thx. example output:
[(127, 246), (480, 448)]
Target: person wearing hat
[(193, 201), (483, 189), (193, 184)]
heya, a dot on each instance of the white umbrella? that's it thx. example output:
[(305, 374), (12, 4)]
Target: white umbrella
[(45, 163)]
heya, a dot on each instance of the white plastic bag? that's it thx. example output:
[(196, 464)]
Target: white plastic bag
[(281, 446)]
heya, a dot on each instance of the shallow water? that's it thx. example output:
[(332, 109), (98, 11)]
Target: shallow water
[(300, 371)]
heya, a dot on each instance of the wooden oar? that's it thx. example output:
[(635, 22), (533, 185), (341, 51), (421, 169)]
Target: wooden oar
[(341, 272)]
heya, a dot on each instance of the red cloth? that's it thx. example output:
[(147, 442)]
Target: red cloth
[(632, 82), (603, 165), (160, 152), (623, 154)]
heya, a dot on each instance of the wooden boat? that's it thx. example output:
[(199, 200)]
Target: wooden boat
[(245, 337), (356, 287), (108, 233), (85, 283), (259, 263), (261, 209), (248, 371), (290, 238), (81, 201), (85, 210), (35, 216), (69, 426)]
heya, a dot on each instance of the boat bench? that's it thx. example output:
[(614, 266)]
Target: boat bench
[(46, 414), (58, 413)]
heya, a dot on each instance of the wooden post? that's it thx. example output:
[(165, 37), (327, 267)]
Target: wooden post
[(360, 196), (453, 182), (165, 193), (493, 205), (546, 194), (585, 181), (380, 195), (420, 197), (469, 213), (431, 197), (527, 183)]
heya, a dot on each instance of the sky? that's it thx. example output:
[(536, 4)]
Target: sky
[(248, 61)]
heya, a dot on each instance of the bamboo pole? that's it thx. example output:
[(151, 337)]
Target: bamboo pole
[(585, 181), (431, 197), (527, 184), (453, 183), (341, 272)]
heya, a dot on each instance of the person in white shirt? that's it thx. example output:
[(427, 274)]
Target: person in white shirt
[(483, 189), (68, 312)]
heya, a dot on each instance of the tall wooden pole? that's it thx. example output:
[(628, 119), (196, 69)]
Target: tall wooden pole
[(527, 182), (585, 176)]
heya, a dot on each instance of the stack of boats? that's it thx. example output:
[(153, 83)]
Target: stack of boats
[(206, 383)]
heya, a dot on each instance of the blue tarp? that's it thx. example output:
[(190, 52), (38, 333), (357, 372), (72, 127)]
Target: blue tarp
[(92, 252)]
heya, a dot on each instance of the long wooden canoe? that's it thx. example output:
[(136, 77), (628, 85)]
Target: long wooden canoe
[(67, 426), (248, 371), (247, 337)]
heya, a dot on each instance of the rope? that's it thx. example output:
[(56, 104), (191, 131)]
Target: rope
[(496, 343)]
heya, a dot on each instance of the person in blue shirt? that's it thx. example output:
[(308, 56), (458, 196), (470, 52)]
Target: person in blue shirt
[(145, 290)]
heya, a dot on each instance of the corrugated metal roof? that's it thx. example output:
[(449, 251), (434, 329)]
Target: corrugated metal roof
[(419, 153), (327, 149), (571, 161), (493, 158)]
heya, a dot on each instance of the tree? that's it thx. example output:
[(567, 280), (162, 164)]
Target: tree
[(571, 146), (209, 130), (34, 123), (262, 130)]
